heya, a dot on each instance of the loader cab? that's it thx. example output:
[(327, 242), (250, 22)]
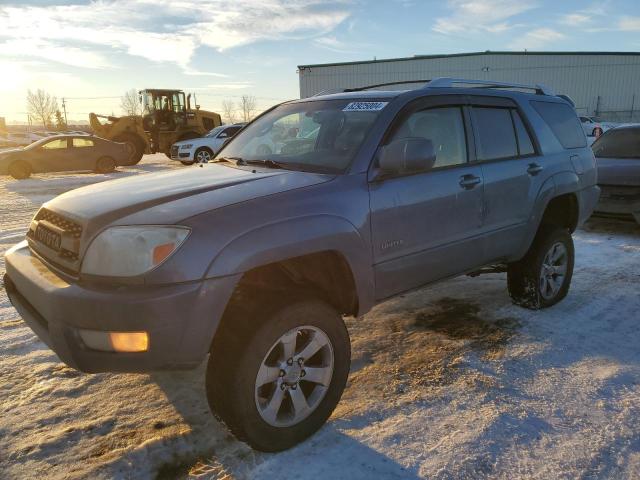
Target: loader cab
[(163, 110)]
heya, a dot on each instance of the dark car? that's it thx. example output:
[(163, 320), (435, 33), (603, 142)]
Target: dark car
[(63, 153), (617, 154), (250, 261)]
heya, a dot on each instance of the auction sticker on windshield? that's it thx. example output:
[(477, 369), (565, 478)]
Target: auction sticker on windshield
[(364, 106)]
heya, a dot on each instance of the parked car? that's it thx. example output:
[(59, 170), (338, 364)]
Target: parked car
[(203, 149), (591, 127), (18, 139), (252, 260), (61, 153), (617, 154)]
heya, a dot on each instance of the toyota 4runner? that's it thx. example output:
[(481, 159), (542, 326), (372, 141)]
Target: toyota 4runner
[(319, 208)]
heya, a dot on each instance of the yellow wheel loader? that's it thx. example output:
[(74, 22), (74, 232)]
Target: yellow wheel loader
[(167, 118)]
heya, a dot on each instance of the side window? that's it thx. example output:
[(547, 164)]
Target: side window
[(619, 143), (444, 127), (525, 145), (496, 136), (82, 142), (55, 144), (564, 123)]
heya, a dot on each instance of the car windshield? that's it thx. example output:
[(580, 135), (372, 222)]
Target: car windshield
[(39, 143), (320, 135), (214, 132), (618, 143)]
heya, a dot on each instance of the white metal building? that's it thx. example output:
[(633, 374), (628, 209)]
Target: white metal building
[(603, 84)]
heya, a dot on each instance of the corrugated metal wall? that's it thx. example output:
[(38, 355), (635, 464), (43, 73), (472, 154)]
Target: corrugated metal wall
[(607, 85)]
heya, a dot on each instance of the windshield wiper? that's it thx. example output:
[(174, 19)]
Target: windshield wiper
[(238, 160), (267, 163)]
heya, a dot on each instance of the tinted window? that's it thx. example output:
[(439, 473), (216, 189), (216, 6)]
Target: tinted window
[(56, 144), (444, 127), (82, 142), (563, 122), (525, 145), (620, 143), (496, 137)]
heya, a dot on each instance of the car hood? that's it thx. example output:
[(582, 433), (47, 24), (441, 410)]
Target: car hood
[(618, 171), (194, 141), (168, 197)]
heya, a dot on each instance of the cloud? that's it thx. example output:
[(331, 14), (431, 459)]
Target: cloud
[(537, 38), (629, 24), (332, 43), (480, 15), (160, 30), (575, 19)]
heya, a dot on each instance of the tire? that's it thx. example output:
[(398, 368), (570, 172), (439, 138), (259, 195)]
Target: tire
[(105, 165), (542, 278), (203, 155), (137, 144), (596, 132), (20, 170), (250, 343)]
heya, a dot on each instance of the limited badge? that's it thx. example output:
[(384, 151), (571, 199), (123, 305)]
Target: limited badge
[(364, 106)]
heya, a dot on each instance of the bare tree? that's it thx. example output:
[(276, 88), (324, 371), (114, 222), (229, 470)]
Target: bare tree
[(130, 103), (229, 111), (247, 106), (41, 106)]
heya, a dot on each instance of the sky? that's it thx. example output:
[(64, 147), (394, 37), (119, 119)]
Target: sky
[(91, 52)]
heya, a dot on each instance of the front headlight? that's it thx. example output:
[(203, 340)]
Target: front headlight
[(130, 251), (186, 146)]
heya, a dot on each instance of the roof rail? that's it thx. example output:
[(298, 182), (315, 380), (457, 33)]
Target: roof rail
[(366, 87), (446, 82)]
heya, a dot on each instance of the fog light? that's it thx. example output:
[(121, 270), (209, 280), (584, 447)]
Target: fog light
[(125, 342)]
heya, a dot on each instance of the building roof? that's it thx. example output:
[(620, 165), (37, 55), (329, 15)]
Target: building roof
[(469, 54)]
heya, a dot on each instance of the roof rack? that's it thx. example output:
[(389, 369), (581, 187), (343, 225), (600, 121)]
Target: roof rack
[(367, 87), (446, 82)]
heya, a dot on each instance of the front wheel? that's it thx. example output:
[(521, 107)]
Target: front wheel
[(275, 379), (542, 278), (20, 170), (203, 155)]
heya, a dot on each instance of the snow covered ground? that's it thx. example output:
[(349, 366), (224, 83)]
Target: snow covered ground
[(448, 382)]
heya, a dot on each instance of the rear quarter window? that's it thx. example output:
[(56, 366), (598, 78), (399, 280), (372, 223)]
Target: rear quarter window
[(564, 123)]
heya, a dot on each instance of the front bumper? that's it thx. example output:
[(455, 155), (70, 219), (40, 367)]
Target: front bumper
[(182, 155), (180, 319), (620, 201)]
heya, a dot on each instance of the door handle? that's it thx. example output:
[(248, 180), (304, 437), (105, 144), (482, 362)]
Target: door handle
[(469, 181), (534, 169)]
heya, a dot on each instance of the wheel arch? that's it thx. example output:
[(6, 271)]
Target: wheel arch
[(299, 246)]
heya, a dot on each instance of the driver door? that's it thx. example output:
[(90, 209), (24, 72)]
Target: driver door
[(53, 156), (425, 225)]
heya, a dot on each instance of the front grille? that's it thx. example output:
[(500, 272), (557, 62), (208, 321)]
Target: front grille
[(72, 232), (174, 151), (72, 228)]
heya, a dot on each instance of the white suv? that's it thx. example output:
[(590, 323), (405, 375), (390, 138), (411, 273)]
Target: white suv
[(203, 149)]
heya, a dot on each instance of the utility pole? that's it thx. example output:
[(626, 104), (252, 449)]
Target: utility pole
[(64, 109)]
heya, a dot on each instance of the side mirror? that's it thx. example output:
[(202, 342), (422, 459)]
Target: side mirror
[(407, 155)]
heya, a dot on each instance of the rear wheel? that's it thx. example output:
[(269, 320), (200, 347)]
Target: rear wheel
[(20, 170), (134, 144), (542, 278), (596, 132), (105, 165), (275, 378)]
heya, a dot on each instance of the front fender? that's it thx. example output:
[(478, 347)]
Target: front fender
[(296, 237)]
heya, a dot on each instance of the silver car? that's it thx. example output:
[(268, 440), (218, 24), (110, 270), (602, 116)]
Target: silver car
[(617, 154), (203, 149)]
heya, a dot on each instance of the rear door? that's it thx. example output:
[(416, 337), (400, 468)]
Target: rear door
[(512, 171), (84, 154), (425, 225)]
